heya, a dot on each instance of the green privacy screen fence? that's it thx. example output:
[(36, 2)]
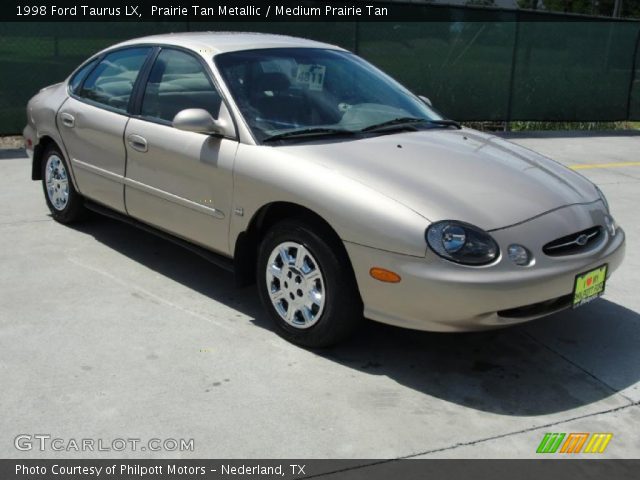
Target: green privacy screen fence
[(475, 64)]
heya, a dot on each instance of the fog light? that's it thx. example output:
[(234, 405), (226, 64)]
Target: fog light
[(611, 225), (519, 255)]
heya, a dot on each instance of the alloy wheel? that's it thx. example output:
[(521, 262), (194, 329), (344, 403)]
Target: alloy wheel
[(295, 285), (57, 182)]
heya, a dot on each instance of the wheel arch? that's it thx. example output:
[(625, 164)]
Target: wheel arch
[(246, 247), (38, 153)]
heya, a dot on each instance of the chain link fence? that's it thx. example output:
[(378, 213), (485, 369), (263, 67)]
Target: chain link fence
[(475, 65)]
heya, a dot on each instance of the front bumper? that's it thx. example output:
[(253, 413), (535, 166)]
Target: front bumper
[(438, 295)]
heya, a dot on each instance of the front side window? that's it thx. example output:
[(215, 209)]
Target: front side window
[(111, 82), (288, 90), (178, 81)]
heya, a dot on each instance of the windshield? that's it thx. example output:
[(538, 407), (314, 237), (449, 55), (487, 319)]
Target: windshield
[(283, 91)]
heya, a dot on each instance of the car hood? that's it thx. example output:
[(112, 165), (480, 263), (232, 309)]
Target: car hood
[(455, 174)]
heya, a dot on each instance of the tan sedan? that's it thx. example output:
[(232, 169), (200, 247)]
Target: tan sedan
[(302, 167)]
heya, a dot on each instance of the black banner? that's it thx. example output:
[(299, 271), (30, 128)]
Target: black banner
[(255, 11), (326, 469)]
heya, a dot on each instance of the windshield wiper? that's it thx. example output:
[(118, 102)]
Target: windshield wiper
[(446, 123), (403, 122), (309, 132), (396, 122)]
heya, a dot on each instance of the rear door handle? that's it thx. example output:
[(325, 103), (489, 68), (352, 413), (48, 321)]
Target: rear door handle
[(68, 120), (137, 142)]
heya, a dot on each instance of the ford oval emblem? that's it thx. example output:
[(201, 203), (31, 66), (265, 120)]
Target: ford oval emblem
[(582, 240)]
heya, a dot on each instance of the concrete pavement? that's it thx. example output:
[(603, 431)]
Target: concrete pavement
[(107, 332)]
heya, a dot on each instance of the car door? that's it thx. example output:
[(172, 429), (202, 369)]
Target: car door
[(179, 181), (92, 123)]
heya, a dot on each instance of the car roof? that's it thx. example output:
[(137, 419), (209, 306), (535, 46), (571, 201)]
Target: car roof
[(221, 42)]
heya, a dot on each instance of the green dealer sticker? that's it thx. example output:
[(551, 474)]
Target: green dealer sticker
[(589, 286)]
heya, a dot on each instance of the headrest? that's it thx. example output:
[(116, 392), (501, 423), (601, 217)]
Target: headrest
[(272, 82)]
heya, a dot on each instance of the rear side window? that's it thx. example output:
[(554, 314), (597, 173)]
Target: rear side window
[(111, 82), (178, 81), (80, 75)]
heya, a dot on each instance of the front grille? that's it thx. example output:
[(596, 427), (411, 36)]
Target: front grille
[(574, 243), (537, 309)]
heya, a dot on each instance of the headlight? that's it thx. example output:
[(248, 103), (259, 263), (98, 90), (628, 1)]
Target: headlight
[(603, 198), (610, 224), (461, 243)]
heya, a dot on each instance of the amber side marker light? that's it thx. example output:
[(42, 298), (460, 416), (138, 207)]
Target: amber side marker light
[(384, 275)]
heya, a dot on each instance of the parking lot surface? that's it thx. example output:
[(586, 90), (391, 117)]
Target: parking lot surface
[(107, 332)]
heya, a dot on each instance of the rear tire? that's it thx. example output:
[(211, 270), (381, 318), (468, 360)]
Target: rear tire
[(306, 284), (64, 202)]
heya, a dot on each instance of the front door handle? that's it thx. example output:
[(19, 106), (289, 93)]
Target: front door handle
[(68, 120), (137, 142)]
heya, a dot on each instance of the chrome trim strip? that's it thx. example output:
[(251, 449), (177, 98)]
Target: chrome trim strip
[(114, 177), (170, 197), (575, 242)]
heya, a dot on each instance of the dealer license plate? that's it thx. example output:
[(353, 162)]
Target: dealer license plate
[(589, 285)]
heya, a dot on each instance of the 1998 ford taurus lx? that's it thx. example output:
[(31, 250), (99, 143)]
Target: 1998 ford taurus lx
[(343, 195)]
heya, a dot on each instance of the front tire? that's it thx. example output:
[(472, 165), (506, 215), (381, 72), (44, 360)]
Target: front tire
[(306, 284), (64, 202)]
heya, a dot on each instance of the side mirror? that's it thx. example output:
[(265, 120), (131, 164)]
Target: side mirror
[(425, 100), (199, 120)]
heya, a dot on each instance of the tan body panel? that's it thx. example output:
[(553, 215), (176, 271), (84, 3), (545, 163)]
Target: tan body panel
[(96, 151), (356, 212), (438, 295), (42, 110), (453, 174), (182, 183)]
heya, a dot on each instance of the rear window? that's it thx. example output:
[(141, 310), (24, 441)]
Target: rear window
[(80, 75), (111, 82)]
